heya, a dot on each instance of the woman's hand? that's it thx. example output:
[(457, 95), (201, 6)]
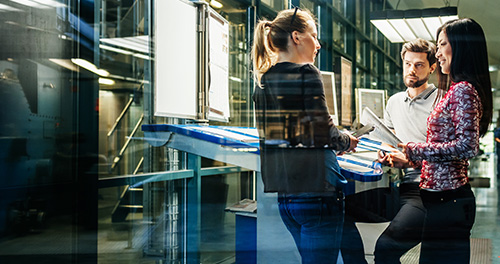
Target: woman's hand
[(403, 147), (398, 159), (394, 158), (384, 158)]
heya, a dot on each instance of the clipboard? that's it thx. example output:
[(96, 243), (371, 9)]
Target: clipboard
[(381, 131), (366, 129)]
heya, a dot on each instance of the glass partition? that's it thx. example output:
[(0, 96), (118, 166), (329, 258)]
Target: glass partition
[(82, 182)]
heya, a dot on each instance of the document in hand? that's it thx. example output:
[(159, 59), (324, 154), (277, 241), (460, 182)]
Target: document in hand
[(381, 131)]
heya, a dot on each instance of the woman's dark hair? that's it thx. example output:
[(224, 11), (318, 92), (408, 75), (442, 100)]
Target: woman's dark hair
[(469, 62)]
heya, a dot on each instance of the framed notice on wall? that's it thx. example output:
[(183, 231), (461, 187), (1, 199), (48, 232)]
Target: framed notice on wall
[(346, 95), (374, 99)]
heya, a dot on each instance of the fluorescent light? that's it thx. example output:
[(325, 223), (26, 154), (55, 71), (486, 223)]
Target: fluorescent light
[(141, 56), (89, 66), (137, 43), (50, 3), (66, 64), (9, 8), (403, 29), (388, 30), (235, 79), (29, 3), (445, 19), (216, 4), (410, 24), (419, 28), (117, 50), (106, 81), (432, 24)]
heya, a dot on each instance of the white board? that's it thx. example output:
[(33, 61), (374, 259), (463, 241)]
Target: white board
[(330, 95), (218, 91), (176, 59)]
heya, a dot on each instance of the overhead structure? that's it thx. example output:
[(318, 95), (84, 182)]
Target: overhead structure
[(405, 25)]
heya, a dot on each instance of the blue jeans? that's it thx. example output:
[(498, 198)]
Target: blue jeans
[(315, 223)]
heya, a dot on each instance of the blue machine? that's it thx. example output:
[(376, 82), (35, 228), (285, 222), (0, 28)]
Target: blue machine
[(240, 146), (26, 151)]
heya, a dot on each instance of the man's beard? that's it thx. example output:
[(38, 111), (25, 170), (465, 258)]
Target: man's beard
[(416, 84)]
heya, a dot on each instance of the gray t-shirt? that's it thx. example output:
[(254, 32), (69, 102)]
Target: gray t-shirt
[(408, 118)]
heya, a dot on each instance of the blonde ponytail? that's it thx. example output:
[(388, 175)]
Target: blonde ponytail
[(273, 37), (263, 54)]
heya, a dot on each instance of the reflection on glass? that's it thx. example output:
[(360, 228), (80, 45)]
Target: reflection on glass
[(360, 52), (339, 35), (360, 15), (374, 55), (360, 78), (276, 5), (49, 163), (339, 5)]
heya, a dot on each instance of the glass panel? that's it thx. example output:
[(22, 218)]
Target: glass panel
[(239, 74), (374, 82), (309, 5), (360, 52), (339, 5), (360, 78), (124, 51), (274, 4), (360, 15), (78, 180), (48, 132), (374, 33), (339, 35), (374, 55)]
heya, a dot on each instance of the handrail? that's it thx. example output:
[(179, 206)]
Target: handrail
[(117, 159), (135, 180), (119, 118), (140, 179), (124, 111), (138, 165), (128, 11)]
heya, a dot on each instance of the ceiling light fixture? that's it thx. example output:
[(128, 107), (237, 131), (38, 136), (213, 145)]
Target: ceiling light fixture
[(406, 25), (91, 67), (216, 4), (8, 8), (106, 81)]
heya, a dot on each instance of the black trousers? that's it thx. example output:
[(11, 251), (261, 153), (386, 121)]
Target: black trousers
[(405, 230), (448, 222)]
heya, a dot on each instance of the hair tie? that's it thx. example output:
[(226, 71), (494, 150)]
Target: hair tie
[(267, 27)]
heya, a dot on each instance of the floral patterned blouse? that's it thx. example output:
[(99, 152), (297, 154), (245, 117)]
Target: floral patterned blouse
[(452, 138)]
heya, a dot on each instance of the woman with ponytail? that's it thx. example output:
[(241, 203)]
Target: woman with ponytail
[(297, 135)]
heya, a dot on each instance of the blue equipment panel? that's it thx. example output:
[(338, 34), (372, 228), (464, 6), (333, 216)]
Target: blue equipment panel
[(240, 146)]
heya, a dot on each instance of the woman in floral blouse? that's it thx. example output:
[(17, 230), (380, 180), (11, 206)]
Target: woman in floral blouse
[(453, 132)]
